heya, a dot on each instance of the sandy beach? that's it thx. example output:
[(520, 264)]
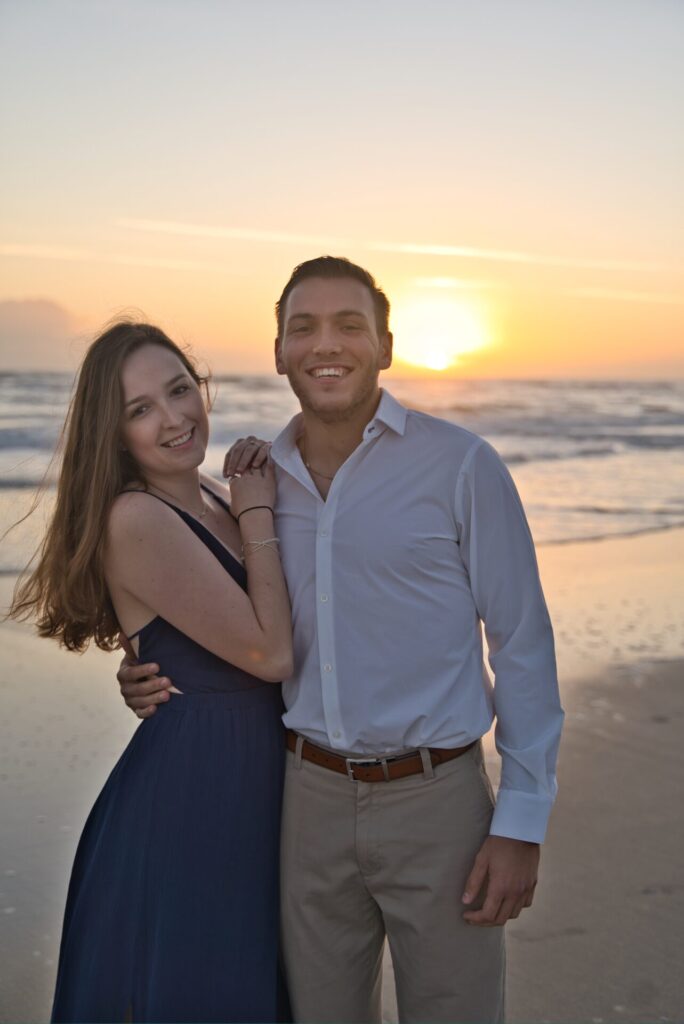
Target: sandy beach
[(603, 941)]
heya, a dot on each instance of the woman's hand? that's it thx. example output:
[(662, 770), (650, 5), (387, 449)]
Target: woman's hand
[(247, 452), (253, 488)]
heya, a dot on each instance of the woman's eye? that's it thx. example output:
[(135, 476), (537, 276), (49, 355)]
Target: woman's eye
[(138, 411), (181, 389)]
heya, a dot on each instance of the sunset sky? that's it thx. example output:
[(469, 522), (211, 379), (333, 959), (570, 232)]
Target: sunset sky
[(510, 171)]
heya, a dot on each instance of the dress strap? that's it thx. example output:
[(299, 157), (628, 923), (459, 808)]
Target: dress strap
[(217, 497), (217, 546), (222, 501), (181, 512)]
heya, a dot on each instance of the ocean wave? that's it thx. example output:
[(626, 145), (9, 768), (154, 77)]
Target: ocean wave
[(30, 439), (480, 408), (251, 383), (520, 458), (657, 408), (610, 510), (26, 484), (664, 442), (637, 531), (573, 445)]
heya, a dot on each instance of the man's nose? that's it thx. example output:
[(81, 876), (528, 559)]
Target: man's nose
[(327, 340)]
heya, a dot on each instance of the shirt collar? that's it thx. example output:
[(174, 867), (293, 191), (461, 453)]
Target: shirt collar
[(284, 446), (389, 413)]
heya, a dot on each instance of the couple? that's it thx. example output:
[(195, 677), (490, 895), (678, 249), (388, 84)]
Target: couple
[(400, 534)]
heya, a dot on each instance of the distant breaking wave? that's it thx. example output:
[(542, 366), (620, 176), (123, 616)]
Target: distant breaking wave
[(590, 458)]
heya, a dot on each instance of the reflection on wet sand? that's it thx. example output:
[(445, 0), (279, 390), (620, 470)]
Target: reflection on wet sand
[(603, 939)]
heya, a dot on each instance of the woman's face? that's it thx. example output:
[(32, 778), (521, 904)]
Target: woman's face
[(164, 424)]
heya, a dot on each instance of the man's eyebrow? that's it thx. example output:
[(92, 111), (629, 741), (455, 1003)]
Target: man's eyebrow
[(351, 312), (338, 313), (168, 384)]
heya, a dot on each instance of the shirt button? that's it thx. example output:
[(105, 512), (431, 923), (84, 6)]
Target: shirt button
[(336, 734), (324, 533), (327, 667), (324, 598)]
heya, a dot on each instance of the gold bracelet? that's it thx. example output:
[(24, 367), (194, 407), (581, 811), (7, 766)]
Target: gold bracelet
[(256, 544)]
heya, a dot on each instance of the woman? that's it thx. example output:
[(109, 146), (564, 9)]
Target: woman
[(172, 908)]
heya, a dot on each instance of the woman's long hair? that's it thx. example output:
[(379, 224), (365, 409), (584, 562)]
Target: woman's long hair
[(66, 591)]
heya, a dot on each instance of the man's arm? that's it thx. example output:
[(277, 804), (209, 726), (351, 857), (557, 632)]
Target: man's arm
[(498, 552)]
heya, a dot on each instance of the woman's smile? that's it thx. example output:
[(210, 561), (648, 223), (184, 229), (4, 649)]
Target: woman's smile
[(181, 440)]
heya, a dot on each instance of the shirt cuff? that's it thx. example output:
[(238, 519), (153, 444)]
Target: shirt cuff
[(519, 815)]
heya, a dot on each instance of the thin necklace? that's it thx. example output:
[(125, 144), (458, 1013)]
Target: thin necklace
[(317, 472), (197, 515), (324, 476)]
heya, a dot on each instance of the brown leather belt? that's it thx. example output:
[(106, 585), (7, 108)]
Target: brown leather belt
[(374, 769)]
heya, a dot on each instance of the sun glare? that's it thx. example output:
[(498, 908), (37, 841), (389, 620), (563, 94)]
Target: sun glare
[(435, 332)]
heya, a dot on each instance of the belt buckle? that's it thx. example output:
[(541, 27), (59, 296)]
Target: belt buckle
[(366, 762)]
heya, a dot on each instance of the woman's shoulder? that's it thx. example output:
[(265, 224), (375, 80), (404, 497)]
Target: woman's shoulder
[(137, 510)]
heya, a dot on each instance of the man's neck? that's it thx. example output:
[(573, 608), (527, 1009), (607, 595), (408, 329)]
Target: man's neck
[(326, 445)]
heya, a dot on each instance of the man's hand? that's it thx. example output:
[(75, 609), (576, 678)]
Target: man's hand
[(141, 687), (507, 868)]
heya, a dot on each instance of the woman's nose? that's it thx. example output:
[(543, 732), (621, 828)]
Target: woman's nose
[(171, 415)]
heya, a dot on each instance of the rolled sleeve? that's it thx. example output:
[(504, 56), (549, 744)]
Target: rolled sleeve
[(498, 553)]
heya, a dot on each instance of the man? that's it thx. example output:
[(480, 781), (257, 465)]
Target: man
[(400, 533)]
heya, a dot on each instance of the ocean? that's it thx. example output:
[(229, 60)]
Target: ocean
[(591, 459)]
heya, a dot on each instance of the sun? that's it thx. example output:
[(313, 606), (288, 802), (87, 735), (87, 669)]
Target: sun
[(435, 332)]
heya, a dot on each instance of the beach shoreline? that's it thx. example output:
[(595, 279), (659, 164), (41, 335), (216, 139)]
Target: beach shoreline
[(603, 939)]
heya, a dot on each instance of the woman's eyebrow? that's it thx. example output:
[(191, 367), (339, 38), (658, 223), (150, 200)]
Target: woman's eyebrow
[(168, 384)]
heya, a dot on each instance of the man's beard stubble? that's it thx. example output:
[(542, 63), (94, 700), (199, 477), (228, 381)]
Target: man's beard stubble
[(343, 413)]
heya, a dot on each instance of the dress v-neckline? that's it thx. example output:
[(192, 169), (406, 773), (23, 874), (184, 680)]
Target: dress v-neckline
[(196, 519), (226, 506)]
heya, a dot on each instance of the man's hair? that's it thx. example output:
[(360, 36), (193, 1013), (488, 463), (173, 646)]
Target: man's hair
[(332, 267)]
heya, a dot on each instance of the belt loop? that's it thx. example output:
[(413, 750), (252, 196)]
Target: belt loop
[(428, 770), (298, 751)]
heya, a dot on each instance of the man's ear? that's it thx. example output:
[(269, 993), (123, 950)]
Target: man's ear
[(280, 365), (386, 351)]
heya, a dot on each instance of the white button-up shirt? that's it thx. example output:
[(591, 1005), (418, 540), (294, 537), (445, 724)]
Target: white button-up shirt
[(421, 538)]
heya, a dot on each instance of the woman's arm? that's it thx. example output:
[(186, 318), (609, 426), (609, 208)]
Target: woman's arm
[(154, 556)]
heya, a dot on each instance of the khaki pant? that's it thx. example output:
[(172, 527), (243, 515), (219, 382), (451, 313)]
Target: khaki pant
[(363, 860)]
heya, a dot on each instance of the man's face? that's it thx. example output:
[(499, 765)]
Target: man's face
[(330, 348)]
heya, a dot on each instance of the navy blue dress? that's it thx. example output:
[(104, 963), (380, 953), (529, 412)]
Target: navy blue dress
[(172, 912)]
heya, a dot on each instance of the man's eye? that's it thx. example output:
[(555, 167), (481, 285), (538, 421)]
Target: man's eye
[(351, 327), (300, 330)]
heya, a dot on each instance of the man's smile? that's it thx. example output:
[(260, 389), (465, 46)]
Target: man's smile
[(322, 372)]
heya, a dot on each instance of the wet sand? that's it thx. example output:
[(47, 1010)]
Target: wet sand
[(603, 941)]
